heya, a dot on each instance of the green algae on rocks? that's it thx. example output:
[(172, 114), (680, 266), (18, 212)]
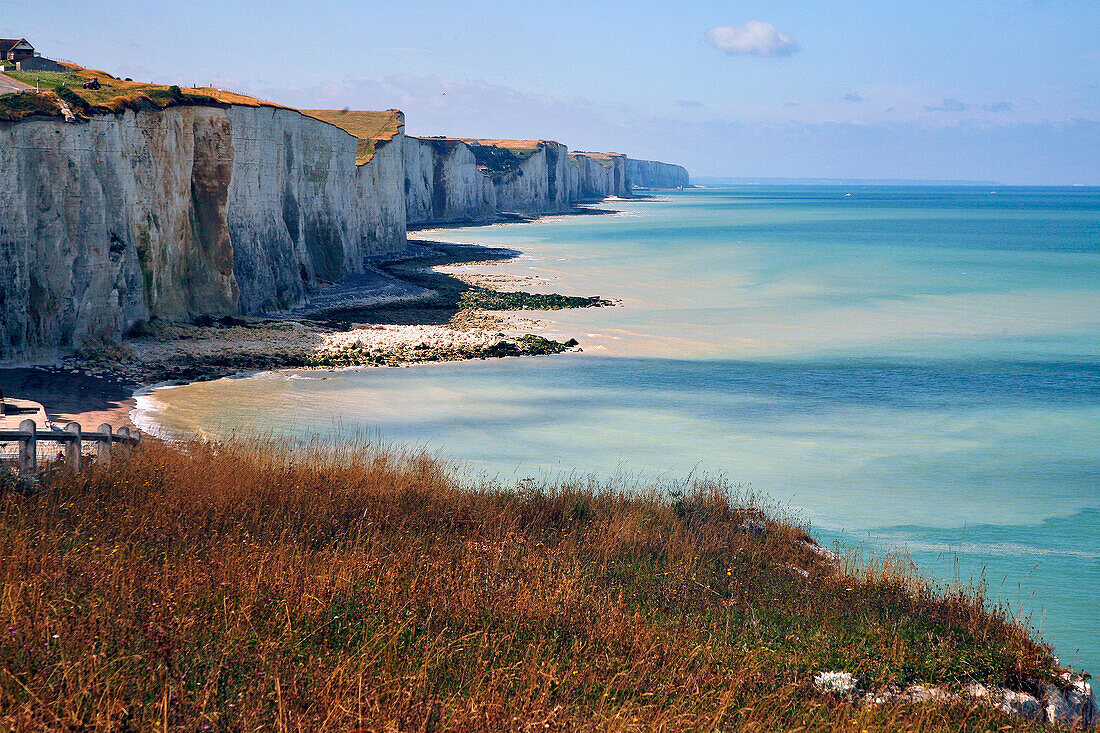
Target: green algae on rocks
[(500, 300)]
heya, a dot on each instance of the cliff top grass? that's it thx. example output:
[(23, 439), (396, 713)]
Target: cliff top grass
[(516, 145), (499, 156), (113, 96), (607, 160), (372, 128), (338, 586)]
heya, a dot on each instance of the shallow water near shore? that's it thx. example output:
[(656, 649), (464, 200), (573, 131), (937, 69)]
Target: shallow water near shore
[(904, 368)]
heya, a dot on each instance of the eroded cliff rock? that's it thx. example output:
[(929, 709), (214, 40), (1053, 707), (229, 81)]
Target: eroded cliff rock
[(178, 212), (443, 183), (538, 184), (216, 208), (599, 175), (473, 180)]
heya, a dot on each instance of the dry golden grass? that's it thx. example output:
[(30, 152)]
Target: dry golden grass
[(370, 127), (287, 587), (607, 160), (115, 95), (227, 97), (115, 92), (529, 145), (15, 107)]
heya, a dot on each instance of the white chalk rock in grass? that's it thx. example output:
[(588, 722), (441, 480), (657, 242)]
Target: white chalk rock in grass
[(920, 694), (1081, 699), (1055, 707), (1007, 701), (827, 554), (839, 683), (798, 570)]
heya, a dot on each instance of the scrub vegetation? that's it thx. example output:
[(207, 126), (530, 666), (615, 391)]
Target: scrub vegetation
[(501, 156), (263, 585), (607, 160)]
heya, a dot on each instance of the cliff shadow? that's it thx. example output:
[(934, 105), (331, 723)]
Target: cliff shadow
[(66, 394), (446, 299)]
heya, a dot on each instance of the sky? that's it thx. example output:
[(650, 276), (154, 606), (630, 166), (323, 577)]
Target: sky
[(1000, 90)]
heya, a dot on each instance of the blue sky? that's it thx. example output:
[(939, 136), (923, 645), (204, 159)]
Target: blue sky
[(1006, 90)]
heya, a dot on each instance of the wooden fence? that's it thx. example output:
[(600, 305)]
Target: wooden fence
[(71, 439)]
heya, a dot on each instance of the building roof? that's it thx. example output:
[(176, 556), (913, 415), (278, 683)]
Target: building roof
[(7, 44)]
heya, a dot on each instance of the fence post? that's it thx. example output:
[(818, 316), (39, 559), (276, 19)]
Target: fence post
[(103, 445), (124, 433), (72, 448), (28, 446)]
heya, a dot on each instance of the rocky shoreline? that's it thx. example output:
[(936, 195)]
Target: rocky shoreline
[(402, 312)]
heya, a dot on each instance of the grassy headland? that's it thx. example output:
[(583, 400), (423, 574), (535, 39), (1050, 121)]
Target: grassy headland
[(114, 95), (268, 586), (607, 160), (371, 128)]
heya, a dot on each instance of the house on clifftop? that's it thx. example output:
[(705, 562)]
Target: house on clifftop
[(16, 49)]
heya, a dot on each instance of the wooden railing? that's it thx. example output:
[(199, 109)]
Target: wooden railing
[(71, 439)]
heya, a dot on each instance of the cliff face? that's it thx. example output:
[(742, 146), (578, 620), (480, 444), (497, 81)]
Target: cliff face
[(179, 212), (380, 173), (231, 208), (539, 185), (443, 183), (599, 175), (653, 174), (381, 197)]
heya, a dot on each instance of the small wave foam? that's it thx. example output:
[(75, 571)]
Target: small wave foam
[(992, 549), (146, 409)]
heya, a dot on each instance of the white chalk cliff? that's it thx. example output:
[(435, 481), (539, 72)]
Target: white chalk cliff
[(456, 180), (179, 212), (654, 174), (226, 209), (443, 183)]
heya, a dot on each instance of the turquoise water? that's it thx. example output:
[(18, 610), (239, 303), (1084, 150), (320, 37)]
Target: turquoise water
[(909, 368)]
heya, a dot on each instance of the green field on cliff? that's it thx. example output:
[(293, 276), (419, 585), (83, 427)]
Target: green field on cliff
[(277, 586)]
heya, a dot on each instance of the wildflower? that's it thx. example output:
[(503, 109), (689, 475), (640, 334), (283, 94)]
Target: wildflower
[(840, 683)]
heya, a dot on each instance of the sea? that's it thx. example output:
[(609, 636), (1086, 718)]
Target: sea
[(905, 370)]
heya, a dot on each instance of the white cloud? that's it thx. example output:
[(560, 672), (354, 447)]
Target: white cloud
[(756, 37)]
